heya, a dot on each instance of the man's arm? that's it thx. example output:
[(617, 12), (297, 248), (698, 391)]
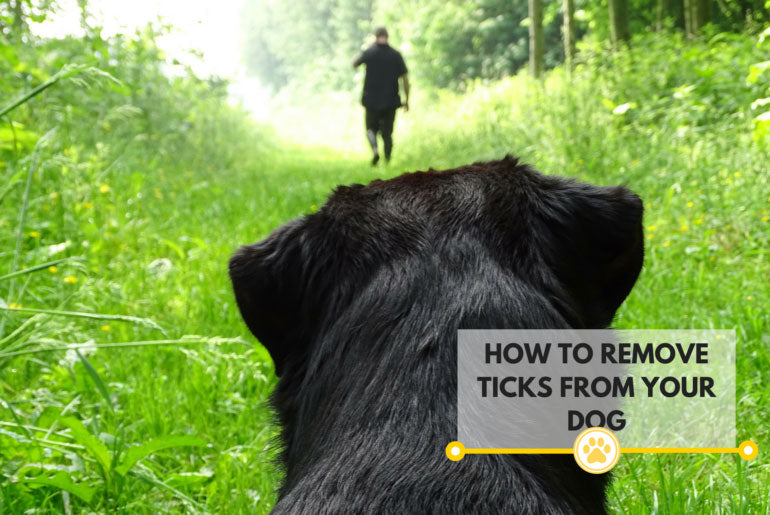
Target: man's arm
[(405, 83), (359, 60)]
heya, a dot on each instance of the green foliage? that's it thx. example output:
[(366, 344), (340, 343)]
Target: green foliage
[(97, 136), (126, 187)]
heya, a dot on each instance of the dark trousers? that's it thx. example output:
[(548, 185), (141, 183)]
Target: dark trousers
[(380, 121)]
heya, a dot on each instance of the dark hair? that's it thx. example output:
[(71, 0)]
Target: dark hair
[(381, 32)]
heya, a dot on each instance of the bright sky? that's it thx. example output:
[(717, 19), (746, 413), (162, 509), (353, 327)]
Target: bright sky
[(213, 27)]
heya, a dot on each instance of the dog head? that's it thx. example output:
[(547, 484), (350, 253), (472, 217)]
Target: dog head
[(580, 245)]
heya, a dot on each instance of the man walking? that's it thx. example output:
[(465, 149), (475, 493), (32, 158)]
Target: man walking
[(384, 66)]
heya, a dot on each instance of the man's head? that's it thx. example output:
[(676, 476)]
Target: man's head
[(381, 34)]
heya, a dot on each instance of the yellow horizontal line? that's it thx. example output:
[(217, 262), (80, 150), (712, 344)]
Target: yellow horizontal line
[(627, 450)]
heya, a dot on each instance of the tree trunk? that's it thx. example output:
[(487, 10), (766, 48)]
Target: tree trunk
[(536, 38), (618, 21), (569, 32), (696, 15)]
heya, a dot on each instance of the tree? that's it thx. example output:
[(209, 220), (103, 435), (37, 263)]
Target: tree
[(568, 32), (619, 21), (696, 14), (536, 37)]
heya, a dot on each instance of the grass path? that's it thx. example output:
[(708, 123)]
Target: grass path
[(156, 245)]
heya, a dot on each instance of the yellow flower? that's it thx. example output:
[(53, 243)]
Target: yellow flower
[(105, 328), (699, 192), (14, 305), (712, 258), (53, 269), (88, 205), (728, 227), (34, 234), (667, 244), (651, 228), (314, 208), (765, 218), (635, 162), (737, 174), (104, 188), (54, 195), (749, 298), (684, 228), (70, 279), (689, 204), (698, 221)]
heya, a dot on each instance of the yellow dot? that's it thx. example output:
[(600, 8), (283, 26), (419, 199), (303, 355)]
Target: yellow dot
[(34, 234), (684, 228), (651, 228), (748, 450), (105, 328), (104, 188), (667, 244), (765, 218), (53, 269), (455, 451), (698, 221), (88, 205), (690, 204), (749, 298), (14, 305), (70, 279)]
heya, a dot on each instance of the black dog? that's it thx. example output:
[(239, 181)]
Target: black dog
[(359, 306)]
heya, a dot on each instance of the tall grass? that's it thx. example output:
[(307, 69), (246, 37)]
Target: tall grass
[(124, 380)]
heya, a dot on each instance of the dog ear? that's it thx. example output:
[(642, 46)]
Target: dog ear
[(268, 283), (596, 247)]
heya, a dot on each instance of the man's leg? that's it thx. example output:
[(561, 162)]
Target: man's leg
[(386, 125), (371, 133)]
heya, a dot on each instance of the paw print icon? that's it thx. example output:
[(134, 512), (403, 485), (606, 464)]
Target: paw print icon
[(596, 450)]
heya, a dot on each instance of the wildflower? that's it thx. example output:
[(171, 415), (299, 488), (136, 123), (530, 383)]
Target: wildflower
[(314, 208), (105, 327), (53, 269), (651, 228), (737, 174), (690, 204), (699, 192), (70, 279), (684, 228), (14, 305), (34, 234), (749, 298), (765, 218), (88, 205), (54, 195), (104, 188), (698, 221), (667, 244)]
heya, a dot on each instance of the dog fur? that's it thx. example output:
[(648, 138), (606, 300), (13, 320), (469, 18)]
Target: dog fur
[(359, 306)]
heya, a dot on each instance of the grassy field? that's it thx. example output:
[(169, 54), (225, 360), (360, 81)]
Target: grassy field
[(144, 241)]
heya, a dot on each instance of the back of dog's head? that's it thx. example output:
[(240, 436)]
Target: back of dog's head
[(359, 303)]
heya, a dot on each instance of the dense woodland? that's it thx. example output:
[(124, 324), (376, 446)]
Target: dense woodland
[(448, 43)]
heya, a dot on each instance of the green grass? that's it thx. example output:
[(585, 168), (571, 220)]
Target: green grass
[(149, 238)]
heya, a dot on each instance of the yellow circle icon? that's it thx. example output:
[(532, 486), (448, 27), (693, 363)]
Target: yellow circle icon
[(748, 450), (596, 450), (455, 451)]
